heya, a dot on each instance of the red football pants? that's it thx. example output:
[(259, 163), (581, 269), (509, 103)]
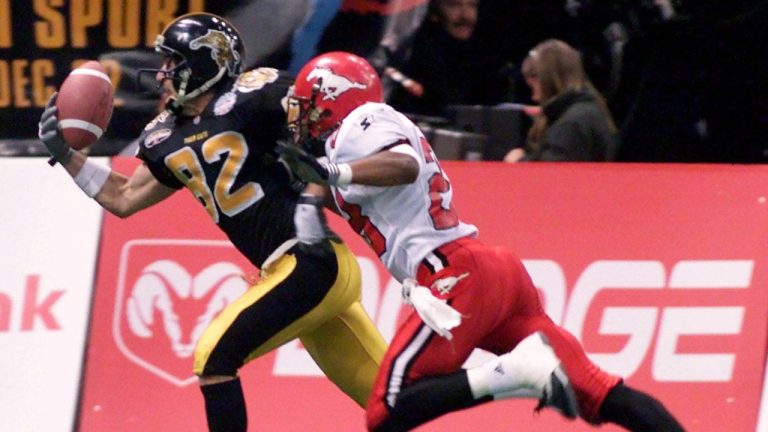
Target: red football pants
[(501, 307)]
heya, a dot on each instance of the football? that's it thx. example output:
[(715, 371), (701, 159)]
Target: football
[(85, 104)]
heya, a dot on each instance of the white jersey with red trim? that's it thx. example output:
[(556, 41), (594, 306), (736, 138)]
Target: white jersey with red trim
[(401, 223)]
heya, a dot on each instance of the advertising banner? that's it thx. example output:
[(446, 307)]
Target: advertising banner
[(49, 237), (660, 271), (762, 422), (42, 41)]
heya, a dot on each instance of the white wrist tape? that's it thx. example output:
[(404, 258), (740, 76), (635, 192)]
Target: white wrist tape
[(345, 174), (92, 177)]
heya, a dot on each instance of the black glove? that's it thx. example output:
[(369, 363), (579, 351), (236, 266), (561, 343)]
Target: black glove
[(48, 131), (303, 165), (309, 169)]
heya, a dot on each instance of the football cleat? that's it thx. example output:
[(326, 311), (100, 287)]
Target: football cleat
[(540, 373), (559, 395)]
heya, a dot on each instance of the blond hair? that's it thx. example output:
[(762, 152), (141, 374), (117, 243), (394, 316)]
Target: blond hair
[(559, 69)]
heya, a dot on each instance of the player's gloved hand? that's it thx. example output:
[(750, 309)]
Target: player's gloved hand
[(436, 313), (48, 131), (311, 169), (311, 226), (294, 182)]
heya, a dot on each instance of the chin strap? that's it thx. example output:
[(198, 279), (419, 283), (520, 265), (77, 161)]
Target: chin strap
[(176, 104)]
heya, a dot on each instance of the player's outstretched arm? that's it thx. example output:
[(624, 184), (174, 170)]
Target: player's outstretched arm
[(386, 168), (116, 192), (124, 196)]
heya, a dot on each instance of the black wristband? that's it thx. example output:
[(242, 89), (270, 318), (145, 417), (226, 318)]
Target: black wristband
[(311, 199)]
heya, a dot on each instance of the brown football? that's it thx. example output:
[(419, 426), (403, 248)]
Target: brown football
[(85, 104)]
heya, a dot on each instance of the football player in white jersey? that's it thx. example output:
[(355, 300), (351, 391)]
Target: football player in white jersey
[(386, 181)]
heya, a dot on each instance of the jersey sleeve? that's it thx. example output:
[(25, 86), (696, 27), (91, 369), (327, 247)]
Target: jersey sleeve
[(161, 173), (369, 132), (376, 129), (155, 132)]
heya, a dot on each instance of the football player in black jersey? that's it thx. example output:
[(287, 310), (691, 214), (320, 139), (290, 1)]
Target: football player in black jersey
[(217, 138)]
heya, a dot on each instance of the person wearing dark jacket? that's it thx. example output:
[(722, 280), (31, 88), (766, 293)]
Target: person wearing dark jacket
[(447, 63), (574, 123)]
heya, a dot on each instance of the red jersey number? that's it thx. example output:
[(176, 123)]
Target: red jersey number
[(442, 218), (363, 226)]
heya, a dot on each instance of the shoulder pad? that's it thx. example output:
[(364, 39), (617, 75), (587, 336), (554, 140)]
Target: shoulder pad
[(161, 118), (256, 79)]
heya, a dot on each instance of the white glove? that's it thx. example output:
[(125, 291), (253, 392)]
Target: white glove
[(436, 313), (311, 226), (309, 218)]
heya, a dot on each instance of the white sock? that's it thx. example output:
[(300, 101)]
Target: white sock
[(495, 377), (522, 372), (478, 382)]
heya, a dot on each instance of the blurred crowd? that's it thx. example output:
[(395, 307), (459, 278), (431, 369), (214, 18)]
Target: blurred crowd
[(627, 80), (523, 80)]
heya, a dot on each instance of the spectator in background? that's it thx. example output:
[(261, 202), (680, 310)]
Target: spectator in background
[(446, 62), (575, 123)]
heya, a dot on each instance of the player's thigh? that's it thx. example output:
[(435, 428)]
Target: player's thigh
[(300, 292), (349, 349)]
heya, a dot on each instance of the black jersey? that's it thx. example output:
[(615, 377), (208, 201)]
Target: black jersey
[(225, 157)]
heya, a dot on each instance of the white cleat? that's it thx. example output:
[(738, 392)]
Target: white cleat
[(538, 373)]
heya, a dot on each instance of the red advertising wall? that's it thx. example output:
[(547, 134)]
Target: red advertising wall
[(661, 271)]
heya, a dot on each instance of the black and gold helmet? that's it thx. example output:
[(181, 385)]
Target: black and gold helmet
[(206, 48)]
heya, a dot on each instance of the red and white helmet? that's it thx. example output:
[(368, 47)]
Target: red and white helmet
[(328, 88)]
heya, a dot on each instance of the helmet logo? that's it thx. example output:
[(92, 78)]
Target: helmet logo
[(223, 50), (332, 85)]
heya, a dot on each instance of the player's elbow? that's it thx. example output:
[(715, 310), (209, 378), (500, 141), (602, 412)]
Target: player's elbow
[(120, 209), (408, 170), (122, 213)]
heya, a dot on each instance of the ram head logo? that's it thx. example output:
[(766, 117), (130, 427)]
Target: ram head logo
[(167, 309)]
